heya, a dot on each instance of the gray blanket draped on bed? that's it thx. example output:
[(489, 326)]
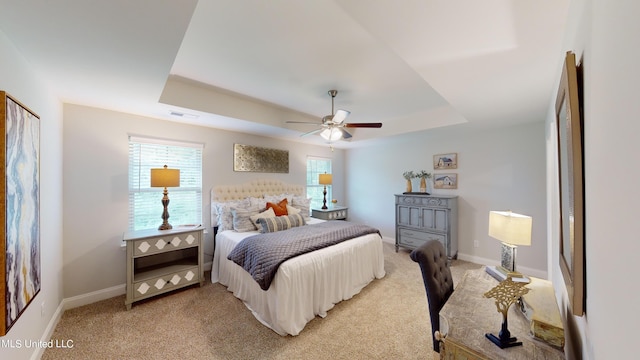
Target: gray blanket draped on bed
[(262, 254)]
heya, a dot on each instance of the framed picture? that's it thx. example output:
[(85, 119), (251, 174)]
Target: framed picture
[(569, 130), (445, 161), (445, 181), (20, 223)]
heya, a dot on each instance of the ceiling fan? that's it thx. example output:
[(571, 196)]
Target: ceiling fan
[(332, 126)]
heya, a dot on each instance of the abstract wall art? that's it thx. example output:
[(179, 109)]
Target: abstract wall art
[(20, 200)]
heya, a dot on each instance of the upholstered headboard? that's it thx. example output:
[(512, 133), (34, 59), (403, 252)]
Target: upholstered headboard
[(255, 188)]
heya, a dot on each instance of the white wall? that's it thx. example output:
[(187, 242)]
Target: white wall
[(498, 169), (19, 80), (602, 33), (96, 188)]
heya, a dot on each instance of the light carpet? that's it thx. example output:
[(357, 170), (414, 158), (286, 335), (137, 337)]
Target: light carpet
[(388, 319)]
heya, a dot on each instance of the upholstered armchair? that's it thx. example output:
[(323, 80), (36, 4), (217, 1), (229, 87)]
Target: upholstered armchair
[(437, 278)]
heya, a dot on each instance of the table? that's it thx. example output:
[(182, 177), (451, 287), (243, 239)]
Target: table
[(468, 316), (159, 261)]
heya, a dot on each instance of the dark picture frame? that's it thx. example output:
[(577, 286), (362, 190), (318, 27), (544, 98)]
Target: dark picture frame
[(571, 185), (20, 266)]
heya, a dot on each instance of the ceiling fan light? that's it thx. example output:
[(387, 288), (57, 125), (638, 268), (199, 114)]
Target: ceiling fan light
[(331, 134)]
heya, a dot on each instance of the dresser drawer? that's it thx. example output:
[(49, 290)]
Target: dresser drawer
[(413, 238), (169, 242), (164, 283)]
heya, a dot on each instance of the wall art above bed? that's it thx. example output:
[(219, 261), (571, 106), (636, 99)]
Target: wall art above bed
[(259, 159)]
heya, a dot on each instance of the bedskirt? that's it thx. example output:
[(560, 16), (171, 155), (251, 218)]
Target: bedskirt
[(304, 287)]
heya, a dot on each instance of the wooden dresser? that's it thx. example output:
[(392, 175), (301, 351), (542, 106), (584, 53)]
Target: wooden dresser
[(159, 261), (420, 218)]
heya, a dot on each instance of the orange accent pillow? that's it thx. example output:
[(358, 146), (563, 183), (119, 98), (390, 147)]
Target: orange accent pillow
[(280, 208)]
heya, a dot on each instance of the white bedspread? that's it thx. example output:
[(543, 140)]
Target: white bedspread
[(305, 286)]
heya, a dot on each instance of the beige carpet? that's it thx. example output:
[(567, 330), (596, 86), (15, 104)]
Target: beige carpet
[(388, 320)]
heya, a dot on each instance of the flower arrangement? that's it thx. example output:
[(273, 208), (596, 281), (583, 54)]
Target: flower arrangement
[(422, 175), (408, 175)]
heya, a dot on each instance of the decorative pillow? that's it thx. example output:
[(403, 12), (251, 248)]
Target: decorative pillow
[(269, 213), (280, 208), (224, 214), (304, 204), (292, 210), (277, 198), (257, 201), (279, 223), (242, 219)]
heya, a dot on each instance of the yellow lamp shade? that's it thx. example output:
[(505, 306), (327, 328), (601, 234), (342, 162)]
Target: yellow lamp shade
[(325, 179), (165, 177)]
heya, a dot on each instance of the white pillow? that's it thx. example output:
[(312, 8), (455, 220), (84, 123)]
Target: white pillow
[(265, 214), (277, 198), (242, 219), (225, 216), (292, 210), (304, 204)]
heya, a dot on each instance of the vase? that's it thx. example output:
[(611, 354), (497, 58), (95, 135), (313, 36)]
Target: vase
[(423, 185), (409, 189)]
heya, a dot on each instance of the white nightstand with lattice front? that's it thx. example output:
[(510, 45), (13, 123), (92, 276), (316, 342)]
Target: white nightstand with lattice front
[(159, 261)]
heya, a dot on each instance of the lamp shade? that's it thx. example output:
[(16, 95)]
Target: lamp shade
[(510, 228), (325, 179), (165, 177), (331, 134)]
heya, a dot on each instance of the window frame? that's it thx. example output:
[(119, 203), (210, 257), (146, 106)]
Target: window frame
[(144, 202), (312, 184)]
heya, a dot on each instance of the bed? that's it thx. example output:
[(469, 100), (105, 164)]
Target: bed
[(304, 286)]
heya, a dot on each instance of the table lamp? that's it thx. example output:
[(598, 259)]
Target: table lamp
[(512, 230), (165, 177), (325, 179)]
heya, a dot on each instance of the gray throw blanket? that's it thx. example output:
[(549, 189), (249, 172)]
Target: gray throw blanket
[(262, 254)]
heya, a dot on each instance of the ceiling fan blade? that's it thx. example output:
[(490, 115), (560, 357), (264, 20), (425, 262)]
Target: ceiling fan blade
[(340, 115), (302, 122), (345, 134), (363, 125), (312, 132)]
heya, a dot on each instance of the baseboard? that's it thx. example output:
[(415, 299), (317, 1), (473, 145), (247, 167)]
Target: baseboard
[(484, 261), (95, 296), (48, 332), (389, 240)]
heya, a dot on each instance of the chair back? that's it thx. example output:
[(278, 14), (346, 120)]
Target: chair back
[(437, 278)]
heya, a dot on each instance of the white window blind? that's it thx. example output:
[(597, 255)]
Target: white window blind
[(145, 202), (315, 167)]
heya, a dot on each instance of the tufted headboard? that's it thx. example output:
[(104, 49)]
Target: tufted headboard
[(255, 188)]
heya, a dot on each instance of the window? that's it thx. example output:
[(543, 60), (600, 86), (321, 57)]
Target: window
[(145, 202), (315, 167)]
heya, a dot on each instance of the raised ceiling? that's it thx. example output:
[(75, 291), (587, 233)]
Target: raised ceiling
[(252, 65)]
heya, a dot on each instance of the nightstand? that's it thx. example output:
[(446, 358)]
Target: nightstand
[(159, 261), (332, 213)]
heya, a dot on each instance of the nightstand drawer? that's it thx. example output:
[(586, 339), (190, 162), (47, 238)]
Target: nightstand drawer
[(160, 284), (169, 242)]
